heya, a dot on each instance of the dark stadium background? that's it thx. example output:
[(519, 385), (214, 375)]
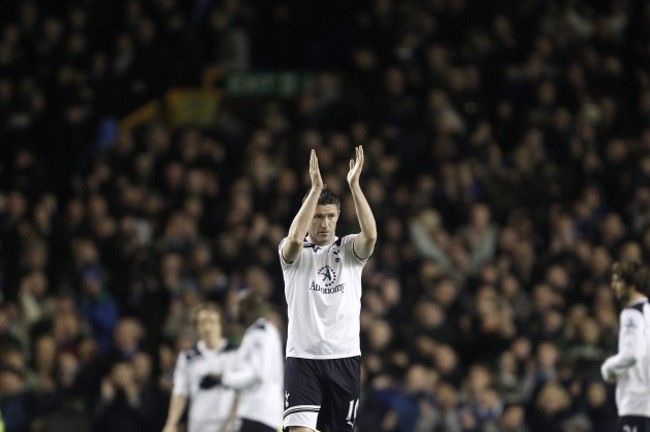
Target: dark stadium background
[(153, 153)]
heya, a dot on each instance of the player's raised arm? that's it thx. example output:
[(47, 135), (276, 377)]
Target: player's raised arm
[(364, 244), (300, 225)]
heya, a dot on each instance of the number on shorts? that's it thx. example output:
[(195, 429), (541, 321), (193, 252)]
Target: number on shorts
[(354, 406), (627, 428)]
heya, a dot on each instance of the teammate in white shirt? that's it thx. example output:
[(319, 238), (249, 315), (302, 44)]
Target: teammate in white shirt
[(211, 405), (322, 276), (630, 367), (258, 372)]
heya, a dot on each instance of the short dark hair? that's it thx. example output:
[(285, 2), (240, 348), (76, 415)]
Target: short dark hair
[(327, 196), (632, 273)]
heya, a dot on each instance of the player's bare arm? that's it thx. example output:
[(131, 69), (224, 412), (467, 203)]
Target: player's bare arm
[(365, 242), (176, 408), (300, 225)]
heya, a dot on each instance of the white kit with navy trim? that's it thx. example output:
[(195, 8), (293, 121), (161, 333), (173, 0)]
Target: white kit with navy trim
[(259, 375), (323, 292), (209, 409), (631, 365)]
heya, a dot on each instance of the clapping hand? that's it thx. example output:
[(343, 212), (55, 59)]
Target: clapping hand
[(355, 167), (314, 172)]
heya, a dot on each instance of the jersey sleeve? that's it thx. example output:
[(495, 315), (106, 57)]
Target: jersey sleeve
[(280, 246), (250, 362), (348, 245), (181, 378), (632, 330), (283, 262)]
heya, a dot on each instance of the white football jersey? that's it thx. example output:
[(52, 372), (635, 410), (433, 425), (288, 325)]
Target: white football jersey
[(259, 375), (209, 409), (323, 291), (631, 365)]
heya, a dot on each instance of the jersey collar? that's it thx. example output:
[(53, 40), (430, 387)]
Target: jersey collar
[(310, 243), (639, 301), (200, 345)]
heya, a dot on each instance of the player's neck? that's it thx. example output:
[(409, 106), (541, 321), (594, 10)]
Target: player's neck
[(212, 343), (635, 297), (311, 240)]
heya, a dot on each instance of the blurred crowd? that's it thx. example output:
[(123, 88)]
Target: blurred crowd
[(508, 166)]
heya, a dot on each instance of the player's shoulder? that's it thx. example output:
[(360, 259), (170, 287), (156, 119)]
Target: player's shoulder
[(263, 328), (196, 352), (260, 325), (306, 247), (346, 242), (633, 317), (638, 308), (192, 353), (229, 347)]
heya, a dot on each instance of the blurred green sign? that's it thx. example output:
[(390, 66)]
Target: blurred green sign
[(267, 84)]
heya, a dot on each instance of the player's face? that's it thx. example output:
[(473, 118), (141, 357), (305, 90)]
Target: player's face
[(323, 225), (620, 289), (208, 324)]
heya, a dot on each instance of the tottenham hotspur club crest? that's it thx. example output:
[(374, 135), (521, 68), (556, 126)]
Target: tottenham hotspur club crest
[(328, 275), (326, 282)]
